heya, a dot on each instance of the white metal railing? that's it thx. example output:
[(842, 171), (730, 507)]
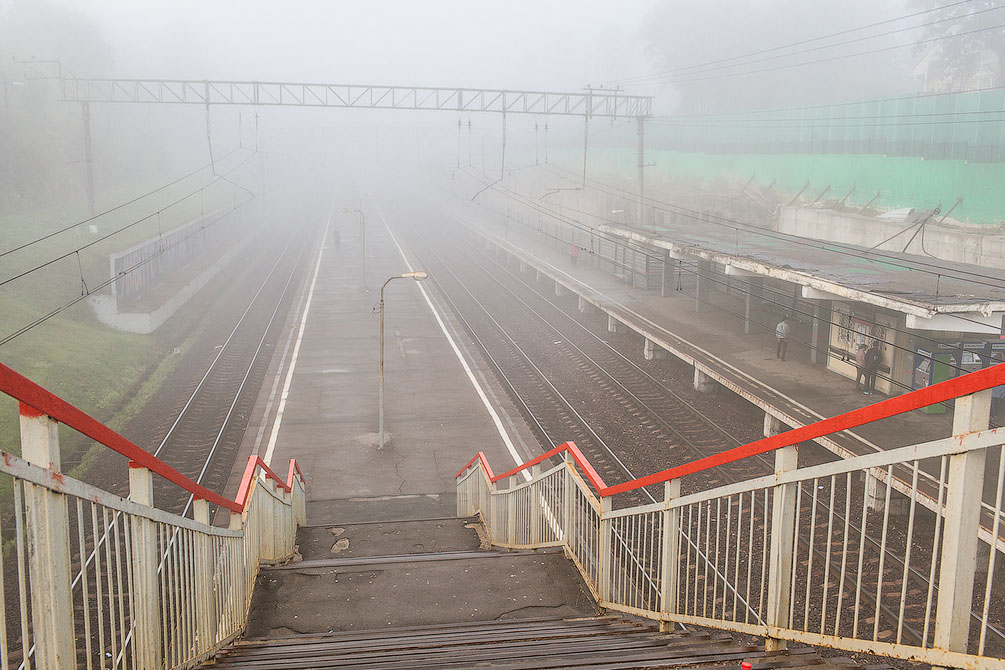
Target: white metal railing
[(805, 554), (92, 580)]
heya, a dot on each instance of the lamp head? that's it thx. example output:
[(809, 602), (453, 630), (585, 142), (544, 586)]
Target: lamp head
[(417, 276)]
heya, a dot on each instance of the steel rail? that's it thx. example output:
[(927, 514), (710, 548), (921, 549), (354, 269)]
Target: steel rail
[(586, 466), (696, 450), (196, 485)]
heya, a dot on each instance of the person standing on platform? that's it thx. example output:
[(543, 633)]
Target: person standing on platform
[(872, 360), (336, 239), (860, 366), (574, 253), (782, 336)]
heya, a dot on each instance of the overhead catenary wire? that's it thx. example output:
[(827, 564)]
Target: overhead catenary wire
[(749, 285), (831, 59), (113, 209), (108, 282), (696, 70), (697, 217), (95, 241), (789, 308), (628, 80), (840, 248)]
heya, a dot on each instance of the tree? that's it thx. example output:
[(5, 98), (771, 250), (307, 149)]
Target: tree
[(703, 33), (973, 60)]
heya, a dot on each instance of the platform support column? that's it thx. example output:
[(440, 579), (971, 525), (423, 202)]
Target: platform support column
[(664, 291), (702, 382), (523, 266), (559, 289), (612, 324), (783, 518), (651, 351), (703, 287), (582, 304), (753, 292), (963, 512), (671, 554), (537, 276), (146, 615), (821, 332), (772, 425), (48, 547)]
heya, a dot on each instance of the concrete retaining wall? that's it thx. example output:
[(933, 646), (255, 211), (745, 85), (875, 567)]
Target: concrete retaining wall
[(865, 231)]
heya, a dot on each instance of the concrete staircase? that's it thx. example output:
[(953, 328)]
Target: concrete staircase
[(428, 593)]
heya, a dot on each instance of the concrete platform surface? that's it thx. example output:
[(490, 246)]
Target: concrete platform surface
[(384, 539), (318, 600)]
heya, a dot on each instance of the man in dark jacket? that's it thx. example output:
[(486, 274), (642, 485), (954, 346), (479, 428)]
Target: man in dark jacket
[(872, 361)]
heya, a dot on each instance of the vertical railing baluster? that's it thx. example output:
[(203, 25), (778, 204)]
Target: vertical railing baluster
[(19, 523), (907, 551), (84, 591), (783, 520), (670, 560), (962, 520), (882, 552)]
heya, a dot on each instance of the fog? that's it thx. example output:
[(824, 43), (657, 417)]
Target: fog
[(698, 60)]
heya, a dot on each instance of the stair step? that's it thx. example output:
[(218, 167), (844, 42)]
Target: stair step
[(543, 643), (440, 640), (403, 558), (489, 625)]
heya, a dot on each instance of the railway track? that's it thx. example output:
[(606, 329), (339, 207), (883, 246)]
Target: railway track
[(556, 368)]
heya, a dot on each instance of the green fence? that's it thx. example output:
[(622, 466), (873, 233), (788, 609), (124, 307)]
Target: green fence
[(954, 126)]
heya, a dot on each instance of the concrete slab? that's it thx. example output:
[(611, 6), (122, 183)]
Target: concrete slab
[(321, 600), (434, 420), (388, 538)]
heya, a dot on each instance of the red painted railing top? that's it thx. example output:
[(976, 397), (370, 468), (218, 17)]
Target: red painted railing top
[(930, 395), (570, 447), (36, 401)]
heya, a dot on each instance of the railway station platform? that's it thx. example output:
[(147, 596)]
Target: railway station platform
[(794, 392)]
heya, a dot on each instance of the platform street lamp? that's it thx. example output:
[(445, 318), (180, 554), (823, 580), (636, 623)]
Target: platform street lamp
[(417, 276), (362, 239)]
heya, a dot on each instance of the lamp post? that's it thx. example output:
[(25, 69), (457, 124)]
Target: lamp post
[(362, 237), (417, 276)]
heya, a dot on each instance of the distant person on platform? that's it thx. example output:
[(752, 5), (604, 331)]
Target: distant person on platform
[(860, 366), (574, 253), (336, 239), (872, 360), (782, 336)]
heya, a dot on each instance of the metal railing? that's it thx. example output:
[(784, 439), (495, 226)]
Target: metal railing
[(826, 555), (93, 580)]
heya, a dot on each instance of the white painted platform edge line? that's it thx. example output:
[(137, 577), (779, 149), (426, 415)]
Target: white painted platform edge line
[(275, 384), (503, 433), (293, 359), (614, 302)]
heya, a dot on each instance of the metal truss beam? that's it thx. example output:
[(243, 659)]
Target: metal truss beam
[(588, 103)]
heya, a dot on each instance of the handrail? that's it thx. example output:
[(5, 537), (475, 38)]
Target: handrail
[(930, 395), (34, 400), (577, 455)]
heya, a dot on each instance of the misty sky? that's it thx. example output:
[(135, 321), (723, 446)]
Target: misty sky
[(515, 44)]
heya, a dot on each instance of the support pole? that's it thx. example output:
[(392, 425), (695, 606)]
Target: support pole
[(671, 554), (642, 170), (962, 518), (143, 533), (502, 162), (783, 524), (206, 622), (48, 547), (88, 155), (586, 142)]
